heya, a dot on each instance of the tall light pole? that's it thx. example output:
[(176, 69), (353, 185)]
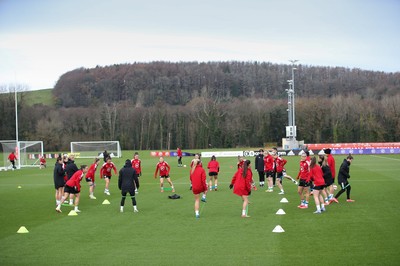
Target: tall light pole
[(17, 148), (291, 128)]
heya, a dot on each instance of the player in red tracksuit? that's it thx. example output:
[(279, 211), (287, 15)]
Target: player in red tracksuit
[(199, 183), (12, 158), (90, 177), (304, 183), (241, 183), (42, 162), (163, 167), (332, 165), (269, 169), (73, 186), (137, 165), (317, 176), (105, 171), (179, 155), (279, 166), (213, 170)]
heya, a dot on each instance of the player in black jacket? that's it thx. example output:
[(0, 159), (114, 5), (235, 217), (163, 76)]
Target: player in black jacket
[(128, 181), (259, 164), (343, 176)]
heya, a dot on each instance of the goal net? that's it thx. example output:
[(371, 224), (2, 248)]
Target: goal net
[(92, 149), (28, 153)]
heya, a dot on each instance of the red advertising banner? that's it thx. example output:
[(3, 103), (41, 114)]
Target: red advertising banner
[(370, 145)]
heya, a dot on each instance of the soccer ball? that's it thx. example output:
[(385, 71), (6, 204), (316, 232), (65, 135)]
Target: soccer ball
[(184, 165)]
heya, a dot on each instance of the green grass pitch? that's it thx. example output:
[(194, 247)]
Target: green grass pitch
[(165, 232)]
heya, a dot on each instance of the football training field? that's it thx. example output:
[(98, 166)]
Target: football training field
[(165, 231)]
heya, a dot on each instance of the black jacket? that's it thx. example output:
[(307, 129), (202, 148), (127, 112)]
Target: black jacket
[(59, 172), (128, 177), (344, 172), (71, 168), (259, 162)]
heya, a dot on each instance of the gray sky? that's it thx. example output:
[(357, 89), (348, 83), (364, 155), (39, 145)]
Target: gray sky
[(42, 39)]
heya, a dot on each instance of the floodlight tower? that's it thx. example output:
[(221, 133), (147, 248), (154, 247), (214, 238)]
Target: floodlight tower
[(291, 128)]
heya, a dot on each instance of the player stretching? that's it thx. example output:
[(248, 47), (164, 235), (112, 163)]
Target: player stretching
[(164, 168), (73, 186), (105, 172), (90, 177)]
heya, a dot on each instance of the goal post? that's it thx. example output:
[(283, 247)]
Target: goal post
[(93, 149), (28, 153)]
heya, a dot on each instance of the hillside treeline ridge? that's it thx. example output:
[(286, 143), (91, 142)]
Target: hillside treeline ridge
[(145, 84), (162, 105)]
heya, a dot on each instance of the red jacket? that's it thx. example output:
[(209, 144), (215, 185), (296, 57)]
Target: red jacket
[(317, 176), (137, 165), (91, 172), (213, 166), (75, 180), (304, 172), (198, 180), (164, 169), (106, 169), (280, 164), (179, 152), (12, 157), (269, 163), (331, 163), (242, 185)]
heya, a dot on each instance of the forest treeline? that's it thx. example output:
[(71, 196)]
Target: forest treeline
[(162, 105)]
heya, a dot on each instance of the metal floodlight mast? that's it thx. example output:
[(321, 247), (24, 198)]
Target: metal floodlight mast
[(293, 100), (291, 128)]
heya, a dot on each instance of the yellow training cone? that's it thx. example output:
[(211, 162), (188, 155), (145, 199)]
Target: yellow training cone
[(72, 213), (22, 230), (106, 202)]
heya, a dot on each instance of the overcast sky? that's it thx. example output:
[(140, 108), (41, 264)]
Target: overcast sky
[(42, 39)]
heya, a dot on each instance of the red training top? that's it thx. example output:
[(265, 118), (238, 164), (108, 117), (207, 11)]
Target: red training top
[(106, 169), (12, 157), (137, 165), (91, 172), (331, 163), (75, 180), (242, 185), (280, 164), (198, 180), (164, 169), (268, 163), (317, 176), (213, 166), (304, 172)]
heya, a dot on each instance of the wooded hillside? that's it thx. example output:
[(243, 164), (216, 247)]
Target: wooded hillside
[(163, 105)]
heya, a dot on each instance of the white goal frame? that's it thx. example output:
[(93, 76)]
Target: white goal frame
[(25, 157), (95, 149)]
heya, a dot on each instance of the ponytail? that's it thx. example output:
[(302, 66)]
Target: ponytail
[(195, 162), (245, 167)]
